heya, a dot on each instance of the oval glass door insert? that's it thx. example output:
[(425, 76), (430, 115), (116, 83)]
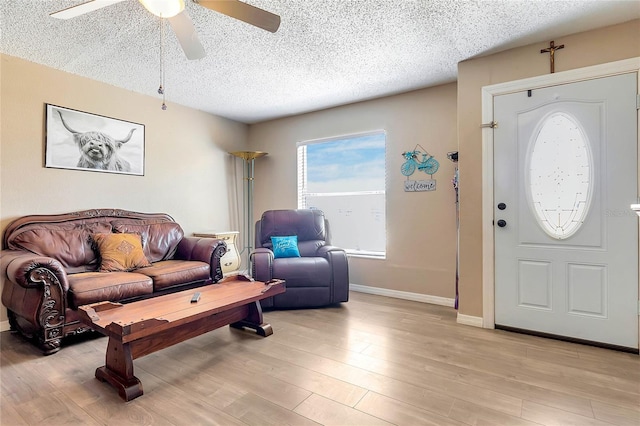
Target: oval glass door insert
[(560, 176)]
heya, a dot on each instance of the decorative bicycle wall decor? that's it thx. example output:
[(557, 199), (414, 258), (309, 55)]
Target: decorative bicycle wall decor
[(421, 160)]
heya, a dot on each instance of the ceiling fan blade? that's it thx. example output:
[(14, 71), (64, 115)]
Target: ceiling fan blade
[(81, 9), (244, 12), (186, 33)]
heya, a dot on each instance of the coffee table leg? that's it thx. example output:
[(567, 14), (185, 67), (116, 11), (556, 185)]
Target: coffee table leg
[(254, 321), (118, 371)]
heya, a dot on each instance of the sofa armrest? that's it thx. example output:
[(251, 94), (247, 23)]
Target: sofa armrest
[(35, 289), (324, 251), (31, 270), (337, 257), (209, 250), (262, 268)]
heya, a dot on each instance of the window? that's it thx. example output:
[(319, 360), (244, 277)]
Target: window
[(560, 176), (345, 178)]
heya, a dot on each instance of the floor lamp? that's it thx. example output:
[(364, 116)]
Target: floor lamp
[(249, 158)]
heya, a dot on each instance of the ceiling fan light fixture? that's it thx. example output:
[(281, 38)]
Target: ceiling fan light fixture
[(164, 8)]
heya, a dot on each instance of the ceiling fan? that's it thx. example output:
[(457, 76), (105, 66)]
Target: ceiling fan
[(180, 21)]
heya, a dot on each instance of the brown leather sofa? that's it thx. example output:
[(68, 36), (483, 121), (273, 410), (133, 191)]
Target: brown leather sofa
[(51, 264)]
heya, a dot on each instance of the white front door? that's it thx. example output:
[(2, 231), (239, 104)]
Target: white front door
[(566, 241)]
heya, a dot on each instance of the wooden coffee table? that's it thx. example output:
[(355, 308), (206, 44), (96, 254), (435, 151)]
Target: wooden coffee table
[(140, 328)]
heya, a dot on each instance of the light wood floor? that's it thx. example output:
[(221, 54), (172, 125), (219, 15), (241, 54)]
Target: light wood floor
[(371, 361)]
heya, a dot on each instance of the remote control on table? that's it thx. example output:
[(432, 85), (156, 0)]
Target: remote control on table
[(195, 297)]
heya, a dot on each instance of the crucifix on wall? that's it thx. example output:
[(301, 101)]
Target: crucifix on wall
[(552, 51)]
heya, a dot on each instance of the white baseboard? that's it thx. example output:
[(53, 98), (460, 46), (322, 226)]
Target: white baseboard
[(469, 320), (416, 297), (4, 326)]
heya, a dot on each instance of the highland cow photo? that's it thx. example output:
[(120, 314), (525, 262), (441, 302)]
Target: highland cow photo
[(82, 141)]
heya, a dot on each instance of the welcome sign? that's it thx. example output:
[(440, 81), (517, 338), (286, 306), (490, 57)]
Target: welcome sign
[(419, 185)]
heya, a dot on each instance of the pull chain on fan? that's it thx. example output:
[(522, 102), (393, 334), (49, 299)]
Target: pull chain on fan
[(162, 66)]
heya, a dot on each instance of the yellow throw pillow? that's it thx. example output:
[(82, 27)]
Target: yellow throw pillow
[(120, 252)]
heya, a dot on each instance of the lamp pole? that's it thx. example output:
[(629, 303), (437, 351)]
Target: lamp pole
[(249, 158)]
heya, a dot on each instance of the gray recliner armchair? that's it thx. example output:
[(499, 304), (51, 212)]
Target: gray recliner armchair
[(318, 277)]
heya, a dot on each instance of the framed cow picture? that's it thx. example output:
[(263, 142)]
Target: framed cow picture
[(83, 141)]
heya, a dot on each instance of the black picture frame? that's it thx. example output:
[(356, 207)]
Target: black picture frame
[(80, 140)]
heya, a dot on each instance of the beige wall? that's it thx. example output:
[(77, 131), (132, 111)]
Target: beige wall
[(421, 231), (590, 48), (187, 168)]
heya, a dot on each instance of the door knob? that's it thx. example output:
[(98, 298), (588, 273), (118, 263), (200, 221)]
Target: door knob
[(502, 223)]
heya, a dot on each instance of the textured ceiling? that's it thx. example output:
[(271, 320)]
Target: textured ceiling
[(326, 52)]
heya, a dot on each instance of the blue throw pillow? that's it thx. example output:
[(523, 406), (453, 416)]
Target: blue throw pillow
[(285, 246)]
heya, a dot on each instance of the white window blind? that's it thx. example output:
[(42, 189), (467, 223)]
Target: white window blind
[(345, 177)]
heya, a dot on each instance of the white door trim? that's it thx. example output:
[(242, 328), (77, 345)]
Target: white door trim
[(488, 92)]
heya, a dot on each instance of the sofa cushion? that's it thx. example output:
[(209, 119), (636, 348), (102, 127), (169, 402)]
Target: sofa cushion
[(120, 252), (303, 271), (310, 247), (71, 244), (159, 239), (306, 224), (92, 287), (169, 273)]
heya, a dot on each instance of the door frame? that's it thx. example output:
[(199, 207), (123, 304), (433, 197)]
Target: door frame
[(488, 93)]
